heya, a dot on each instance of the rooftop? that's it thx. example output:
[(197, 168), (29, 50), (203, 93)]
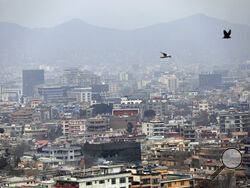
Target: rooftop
[(176, 177)]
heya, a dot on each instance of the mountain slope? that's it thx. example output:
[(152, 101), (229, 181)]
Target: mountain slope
[(196, 39)]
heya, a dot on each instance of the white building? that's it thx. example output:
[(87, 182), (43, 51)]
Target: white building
[(103, 176), (154, 128), (82, 94), (126, 101), (170, 80), (66, 152)]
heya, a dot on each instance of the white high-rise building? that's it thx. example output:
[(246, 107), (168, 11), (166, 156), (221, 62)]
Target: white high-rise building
[(170, 80)]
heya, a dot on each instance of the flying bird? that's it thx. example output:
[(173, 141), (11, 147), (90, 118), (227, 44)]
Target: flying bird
[(227, 34), (165, 55)]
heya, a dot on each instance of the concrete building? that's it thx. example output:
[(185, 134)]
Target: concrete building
[(233, 121), (206, 106), (170, 80), (114, 89), (188, 132), (97, 124), (22, 116), (129, 152), (70, 76), (10, 95), (52, 94), (76, 77), (177, 181), (159, 105), (154, 177), (107, 176), (171, 144), (32, 78), (121, 122), (34, 132), (130, 103), (202, 106), (66, 152), (209, 80), (154, 128), (74, 127), (157, 128), (81, 94)]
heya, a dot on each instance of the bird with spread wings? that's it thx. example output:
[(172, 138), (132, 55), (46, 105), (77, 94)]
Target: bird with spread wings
[(165, 55), (227, 34)]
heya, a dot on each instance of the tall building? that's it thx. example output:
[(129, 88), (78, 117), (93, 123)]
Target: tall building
[(77, 77), (51, 94), (170, 80), (32, 78), (232, 121), (71, 76), (209, 80), (81, 94), (159, 105)]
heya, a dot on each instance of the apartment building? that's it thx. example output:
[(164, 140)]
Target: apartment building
[(233, 121), (74, 127), (65, 152), (160, 106), (97, 124), (155, 127), (101, 176)]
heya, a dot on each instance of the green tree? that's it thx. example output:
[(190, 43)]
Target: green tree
[(3, 163), (202, 118), (149, 113), (129, 127), (1, 130)]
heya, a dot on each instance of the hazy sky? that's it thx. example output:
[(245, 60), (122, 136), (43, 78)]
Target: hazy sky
[(122, 14)]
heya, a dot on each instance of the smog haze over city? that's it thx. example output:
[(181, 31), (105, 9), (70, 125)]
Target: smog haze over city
[(124, 93)]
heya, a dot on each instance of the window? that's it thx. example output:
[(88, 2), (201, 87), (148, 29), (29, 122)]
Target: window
[(89, 183), (155, 181), (101, 182), (169, 184), (113, 181), (182, 183), (146, 181), (122, 180)]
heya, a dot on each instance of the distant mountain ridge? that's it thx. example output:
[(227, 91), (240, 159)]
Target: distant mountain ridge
[(195, 39)]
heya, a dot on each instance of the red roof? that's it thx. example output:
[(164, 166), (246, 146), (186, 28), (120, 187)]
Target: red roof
[(239, 133), (42, 143), (155, 119), (179, 138)]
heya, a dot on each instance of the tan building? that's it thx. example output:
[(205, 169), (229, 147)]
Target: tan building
[(157, 177), (74, 127), (171, 144), (97, 124)]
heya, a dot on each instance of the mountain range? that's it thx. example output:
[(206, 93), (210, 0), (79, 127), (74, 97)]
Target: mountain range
[(196, 39)]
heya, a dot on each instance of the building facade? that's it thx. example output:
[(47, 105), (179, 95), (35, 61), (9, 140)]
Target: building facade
[(32, 78), (233, 121)]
